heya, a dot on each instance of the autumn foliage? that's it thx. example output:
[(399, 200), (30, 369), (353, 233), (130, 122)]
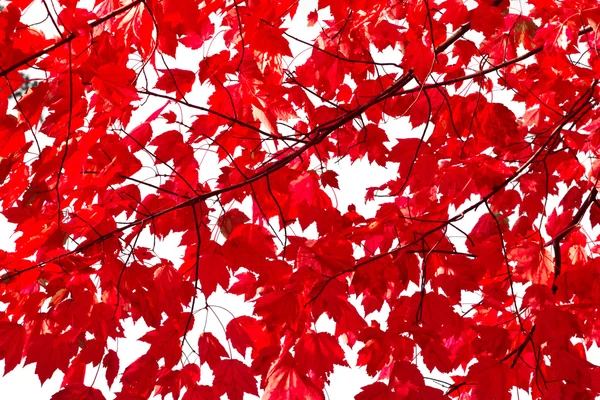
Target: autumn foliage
[(472, 273)]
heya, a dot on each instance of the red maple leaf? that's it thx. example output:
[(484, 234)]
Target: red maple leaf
[(210, 349), (111, 363), (172, 381), (318, 352), (176, 80), (49, 353), (140, 376), (165, 341), (200, 392), (78, 392), (232, 377), (12, 340), (284, 382)]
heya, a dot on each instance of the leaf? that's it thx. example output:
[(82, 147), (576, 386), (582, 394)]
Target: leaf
[(231, 220), (333, 253), (78, 392), (176, 80), (418, 57), (165, 341), (524, 33), (313, 18), (210, 349), (284, 382), (329, 178), (492, 379), (195, 40), (200, 392), (172, 381), (377, 390), (49, 353), (140, 376), (111, 363), (114, 82), (248, 244), (234, 378), (278, 309), (556, 327), (12, 340), (139, 137), (212, 271), (385, 34), (318, 352), (172, 292), (534, 264), (243, 332)]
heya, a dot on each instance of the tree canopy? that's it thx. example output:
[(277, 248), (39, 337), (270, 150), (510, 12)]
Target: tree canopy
[(468, 268)]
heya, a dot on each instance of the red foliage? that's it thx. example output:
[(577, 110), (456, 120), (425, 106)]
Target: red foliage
[(481, 245)]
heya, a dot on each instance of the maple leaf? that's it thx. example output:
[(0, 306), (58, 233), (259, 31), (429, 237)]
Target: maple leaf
[(248, 244), (377, 390), (492, 379), (556, 326), (212, 271), (231, 220), (200, 392), (195, 39), (49, 353), (171, 291), (165, 341), (140, 376), (384, 34), (139, 137), (533, 263), (78, 392), (176, 80), (111, 363), (278, 309), (284, 382), (329, 178), (243, 332), (318, 352), (234, 378), (210, 350), (313, 18), (114, 83), (172, 381), (418, 57), (12, 341), (328, 254)]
